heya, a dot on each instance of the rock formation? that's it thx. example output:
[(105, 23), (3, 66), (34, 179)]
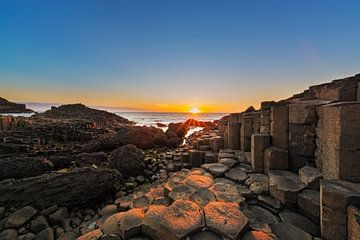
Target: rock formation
[(289, 170), (10, 107)]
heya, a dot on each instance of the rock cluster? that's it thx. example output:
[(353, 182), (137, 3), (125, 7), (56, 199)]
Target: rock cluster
[(10, 107)]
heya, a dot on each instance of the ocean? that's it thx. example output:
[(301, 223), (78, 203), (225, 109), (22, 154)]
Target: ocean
[(153, 118)]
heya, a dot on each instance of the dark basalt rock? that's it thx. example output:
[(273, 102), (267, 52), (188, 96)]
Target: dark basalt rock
[(81, 187), (128, 160)]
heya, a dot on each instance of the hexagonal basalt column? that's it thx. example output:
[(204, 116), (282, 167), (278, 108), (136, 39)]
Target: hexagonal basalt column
[(284, 186), (335, 197), (259, 142), (234, 135), (226, 219), (341, 143), (176, 222)]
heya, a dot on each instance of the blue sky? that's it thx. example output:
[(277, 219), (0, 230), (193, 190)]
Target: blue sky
[(167, 55)]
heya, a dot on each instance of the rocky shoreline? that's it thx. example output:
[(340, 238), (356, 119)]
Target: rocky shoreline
[(289, 170)]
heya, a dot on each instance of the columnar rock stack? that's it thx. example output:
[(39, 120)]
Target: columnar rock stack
[(279, 127), (302, 123), (341, 154), (245, 133), (234, 135), (314, 134)]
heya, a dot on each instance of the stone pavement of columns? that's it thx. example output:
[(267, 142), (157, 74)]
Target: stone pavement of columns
[(221, 199)]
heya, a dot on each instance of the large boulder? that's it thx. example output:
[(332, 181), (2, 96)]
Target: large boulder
[(128, 160)]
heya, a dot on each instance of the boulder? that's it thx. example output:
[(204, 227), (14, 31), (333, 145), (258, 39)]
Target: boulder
[(128, 160), (20, 217)]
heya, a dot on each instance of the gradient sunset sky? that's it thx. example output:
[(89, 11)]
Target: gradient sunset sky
[(172, 55)]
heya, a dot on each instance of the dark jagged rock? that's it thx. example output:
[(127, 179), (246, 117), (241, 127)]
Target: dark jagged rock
[(128, 160), (81, 187), (10, 107), (80, 111), (23, 167)]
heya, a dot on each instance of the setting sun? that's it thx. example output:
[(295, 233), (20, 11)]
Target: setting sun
[(194, 110)]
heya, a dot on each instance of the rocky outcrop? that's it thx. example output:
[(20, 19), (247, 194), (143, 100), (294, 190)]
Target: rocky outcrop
[(10, 107), (81, 187), (80, 111)]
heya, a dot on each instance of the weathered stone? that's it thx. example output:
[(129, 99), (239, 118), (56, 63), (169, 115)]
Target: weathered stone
[(195, 158), (303, 112), (236, 174), (230, 162), (246, 131), (9, 234), (275, 159), (226, 193), (245, 192), (299, 221), (259, 235), (181, 219), (245, 167), (217, 169), (341, 141), (301, 146), (234, 135), (39, 224), (284, 186), (353, 223), (205, 235), (20, 217), (116, 237), (173, 181), (259, 142), (126, 224), (46, 234), (285, 231), (161, 201), (258, 183), (227, 155), (310, 177), (202, 196), (279, 127), (93, 235), (258, 216), (269, 202), (2, 212), (128, 160), (123, 203), (199, 181), (209, 157), (182, 191), (309, 204), (106, 212), (335, 197), (142, 202), (58, 217), (225, 219)]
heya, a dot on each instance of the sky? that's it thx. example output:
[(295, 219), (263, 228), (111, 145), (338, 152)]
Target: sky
[(161, 55)]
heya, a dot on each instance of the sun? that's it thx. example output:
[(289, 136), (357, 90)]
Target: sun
[(194, 110)]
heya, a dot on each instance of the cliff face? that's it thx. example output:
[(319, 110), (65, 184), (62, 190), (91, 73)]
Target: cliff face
[(10, 107)]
